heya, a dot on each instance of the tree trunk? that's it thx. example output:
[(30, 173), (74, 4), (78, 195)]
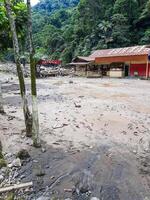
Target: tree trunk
[(35, 119), (27, 114), (1, 101)]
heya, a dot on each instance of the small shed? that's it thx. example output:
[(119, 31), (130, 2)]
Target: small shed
[(85, 66)]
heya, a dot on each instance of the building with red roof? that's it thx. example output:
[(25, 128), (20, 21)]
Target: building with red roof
[(119, 62)]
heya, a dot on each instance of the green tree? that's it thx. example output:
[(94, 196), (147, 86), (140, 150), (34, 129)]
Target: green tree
[(120, 31)]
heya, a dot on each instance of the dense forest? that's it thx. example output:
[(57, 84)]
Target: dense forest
[(66, 28)]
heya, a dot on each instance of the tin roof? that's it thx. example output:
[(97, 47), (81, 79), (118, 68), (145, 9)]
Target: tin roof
[(83, 59), (126, 51), (79, 63)]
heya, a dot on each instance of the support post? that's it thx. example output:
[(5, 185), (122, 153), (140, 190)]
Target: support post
[(147, 66)]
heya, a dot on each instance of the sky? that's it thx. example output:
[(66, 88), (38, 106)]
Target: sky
[(34, 2)]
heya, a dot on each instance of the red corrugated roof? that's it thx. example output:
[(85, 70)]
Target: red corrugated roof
[(127, 51)]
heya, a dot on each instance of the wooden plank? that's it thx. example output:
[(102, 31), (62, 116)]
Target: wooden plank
[(16, 187)]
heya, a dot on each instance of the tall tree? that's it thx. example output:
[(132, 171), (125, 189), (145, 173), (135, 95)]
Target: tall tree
[(35, 119), (27, 114)]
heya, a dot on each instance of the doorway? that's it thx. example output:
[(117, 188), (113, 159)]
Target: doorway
[(126, 70)]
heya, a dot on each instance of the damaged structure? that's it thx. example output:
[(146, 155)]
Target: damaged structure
[(120, 62)]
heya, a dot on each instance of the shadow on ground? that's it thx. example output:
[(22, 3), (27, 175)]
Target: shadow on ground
[(99, 172)]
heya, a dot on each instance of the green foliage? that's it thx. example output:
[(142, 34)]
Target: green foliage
[(2, 163), (88, 25), (120, 31), (63, 29), (20, 14), (146, 37), (10, 196)]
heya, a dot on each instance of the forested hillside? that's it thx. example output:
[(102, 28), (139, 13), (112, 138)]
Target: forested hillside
[(66, 28), (63, 29)]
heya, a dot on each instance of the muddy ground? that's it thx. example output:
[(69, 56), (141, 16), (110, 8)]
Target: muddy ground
[(95, 135)]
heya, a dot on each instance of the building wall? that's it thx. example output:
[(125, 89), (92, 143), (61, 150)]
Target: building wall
[(140, 68)]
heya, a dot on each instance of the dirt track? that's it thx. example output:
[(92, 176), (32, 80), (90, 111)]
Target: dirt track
[(95, 132)]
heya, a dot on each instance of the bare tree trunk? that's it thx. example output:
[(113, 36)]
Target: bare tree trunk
[(35, 119), (27, 114), (1, 101)]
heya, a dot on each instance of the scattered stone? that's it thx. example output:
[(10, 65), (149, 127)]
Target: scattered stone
[(77, 105), (22, 176), (135, 151), (13, 111), (10, 118), (68, 190), (70, 82), (40, 172), (16, 163), (23, 154), (1, 178), (68, 199), (43, 150), (145, 144), (81, 96), (84, 189), (43, 198), (4, 170)]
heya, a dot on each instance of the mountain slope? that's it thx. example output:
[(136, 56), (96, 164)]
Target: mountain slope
[(64, 29), (48, 6)]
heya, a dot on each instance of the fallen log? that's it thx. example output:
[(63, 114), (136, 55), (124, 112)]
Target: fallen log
[(15, 187)]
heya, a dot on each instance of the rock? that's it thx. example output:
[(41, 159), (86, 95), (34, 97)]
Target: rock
[(94, 198), (16, 163), (43, 198), (43, 150), (10, 118), (23, 154), (77, 105), (22, 176), (70, 82), (68, 199), (84, 189), (1, 178), (135, 151), (145, 145), (67, 190), (4, 170)]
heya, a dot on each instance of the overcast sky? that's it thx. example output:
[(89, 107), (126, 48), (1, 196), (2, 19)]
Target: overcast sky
[(34, 2)]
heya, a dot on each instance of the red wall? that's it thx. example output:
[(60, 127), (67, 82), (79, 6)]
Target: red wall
[(140, 68)]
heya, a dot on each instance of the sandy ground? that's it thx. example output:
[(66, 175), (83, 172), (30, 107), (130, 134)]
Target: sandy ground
[(96, 133)]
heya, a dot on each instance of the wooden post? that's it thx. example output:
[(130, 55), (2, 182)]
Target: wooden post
[(147, 69), (86, 70)]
